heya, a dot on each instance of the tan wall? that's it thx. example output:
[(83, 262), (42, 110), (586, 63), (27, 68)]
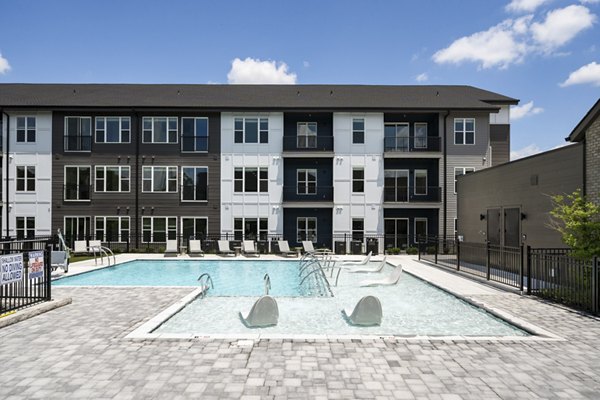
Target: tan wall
[(592, 159)]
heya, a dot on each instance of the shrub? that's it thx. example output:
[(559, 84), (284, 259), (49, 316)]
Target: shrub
[(430, 249), (393, 250), (412, 250)]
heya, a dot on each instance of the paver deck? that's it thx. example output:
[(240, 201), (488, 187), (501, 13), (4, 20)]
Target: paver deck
[(80, 351)]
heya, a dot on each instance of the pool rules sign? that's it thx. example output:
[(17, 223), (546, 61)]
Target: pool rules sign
[(11, 268)]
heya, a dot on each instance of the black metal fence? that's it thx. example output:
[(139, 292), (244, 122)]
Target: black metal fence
[(549, 273), (24, 281)]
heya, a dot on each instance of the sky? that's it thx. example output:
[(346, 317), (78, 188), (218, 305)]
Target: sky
[(546, 53)]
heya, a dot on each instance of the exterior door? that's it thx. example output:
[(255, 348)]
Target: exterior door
[(76, 228), (512, 227), (493, 226), (396, 232)]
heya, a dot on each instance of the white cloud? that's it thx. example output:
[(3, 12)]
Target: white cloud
[(422, 77), (525, 152), (4, 65), (589, 1), (253, 70), (499, 46), (527, 109), (588, 74), (524, 5), (561, 26)]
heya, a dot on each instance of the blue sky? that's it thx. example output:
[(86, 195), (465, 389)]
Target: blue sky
[(542, 51)]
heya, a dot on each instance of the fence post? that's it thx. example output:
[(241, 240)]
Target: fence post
[(457, 254), (521, 270), (437, 247), (595, 288), (48, 272), (528, 269), (487, 259)]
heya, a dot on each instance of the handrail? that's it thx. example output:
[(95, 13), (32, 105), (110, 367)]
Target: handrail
[(204, 284), (267, 280)]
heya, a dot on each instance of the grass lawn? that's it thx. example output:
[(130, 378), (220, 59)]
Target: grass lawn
[(73, 259)]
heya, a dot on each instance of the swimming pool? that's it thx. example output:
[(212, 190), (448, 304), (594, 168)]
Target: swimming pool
[(413, 307)]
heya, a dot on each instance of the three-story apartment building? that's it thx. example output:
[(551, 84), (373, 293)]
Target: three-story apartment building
[(143, 163)]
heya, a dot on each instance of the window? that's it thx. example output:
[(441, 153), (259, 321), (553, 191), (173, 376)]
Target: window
[(358, 180), (307, 135), (420, 229), (194, 183), (112, 179), (307, 181), (306, 229), (420, 135), (194, 134), (25, 227), (78, 133), (251, 130), (358, 229), (250, 228), (159, 129), (358, 130), (464, 131), (420, 181), (26, 129), (159, 179), (458, 171), (194, 227), (396, 136), (159, 229), (25, 178), (112, 229), (113, 129), (78, 183), (251, 180), (395, 185), (76, 228)]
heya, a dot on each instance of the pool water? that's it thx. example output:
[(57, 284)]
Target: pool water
[(230, 278)]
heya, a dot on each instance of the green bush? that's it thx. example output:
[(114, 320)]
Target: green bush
[(412, 250), (393, 250), (430, 249)]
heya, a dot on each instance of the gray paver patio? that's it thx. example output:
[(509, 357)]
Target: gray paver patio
[(80, 351)]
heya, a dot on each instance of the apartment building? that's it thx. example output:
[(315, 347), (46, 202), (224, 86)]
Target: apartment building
[(301, 162)]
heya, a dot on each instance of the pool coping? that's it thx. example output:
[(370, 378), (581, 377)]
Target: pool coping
[(145, 331)]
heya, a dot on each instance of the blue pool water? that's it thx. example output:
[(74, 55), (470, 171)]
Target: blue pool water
[(230, 278)]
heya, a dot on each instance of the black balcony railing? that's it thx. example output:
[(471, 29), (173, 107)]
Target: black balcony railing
[(74, 192), (307, 193), (308, 143), (411, 144), (409, 194)]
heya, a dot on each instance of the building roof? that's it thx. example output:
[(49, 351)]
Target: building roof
[(251, 96), (578, 133)]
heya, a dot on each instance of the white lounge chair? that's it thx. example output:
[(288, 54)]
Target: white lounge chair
[(367, 312), (172, 249), (59, 259), (263, 313), (80, 247), (284, 248), (364, 261), (375, 268), (391, 279), (224, 248), (248, 248), (309, 248), (195, 248)]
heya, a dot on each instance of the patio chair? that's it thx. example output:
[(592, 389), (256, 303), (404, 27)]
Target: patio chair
[(389, 280), (284, 249), (364, 261), (80, 247), (309, 248), (195, 249), (172, 249), (59, 259), (263, 313), (224, 248), (367, 312), (248, 248), (375, 268)]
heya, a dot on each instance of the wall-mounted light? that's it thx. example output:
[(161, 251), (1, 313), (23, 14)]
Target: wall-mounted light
[(523, 216), (10, 157), (481, 217)]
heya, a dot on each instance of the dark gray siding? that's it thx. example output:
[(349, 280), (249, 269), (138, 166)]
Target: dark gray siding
[(147, 204), (526, 184), (500, 142)]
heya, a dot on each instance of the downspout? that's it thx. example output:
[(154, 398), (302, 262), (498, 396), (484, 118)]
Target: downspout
[(445, 224), (7, 158)]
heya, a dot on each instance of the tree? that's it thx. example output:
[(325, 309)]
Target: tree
[(578, 221)]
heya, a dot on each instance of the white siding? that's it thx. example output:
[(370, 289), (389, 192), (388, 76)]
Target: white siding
[(501, 117), (36, 204)]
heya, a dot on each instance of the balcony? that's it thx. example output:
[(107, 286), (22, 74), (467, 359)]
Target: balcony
[(402, 194), (298, 193), (308, 143), (412, 144)]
